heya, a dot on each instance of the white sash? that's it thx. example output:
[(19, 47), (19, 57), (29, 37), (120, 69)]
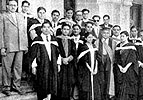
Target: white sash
[(125, 48), (124, 70)]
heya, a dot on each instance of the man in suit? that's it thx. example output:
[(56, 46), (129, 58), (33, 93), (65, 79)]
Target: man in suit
[(106, 19), (55, 20), (96, 27), (13, 42), (79, 18)]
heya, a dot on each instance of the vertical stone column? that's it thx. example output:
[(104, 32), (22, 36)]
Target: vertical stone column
[(125, 14), (142, 17), (3, 5)]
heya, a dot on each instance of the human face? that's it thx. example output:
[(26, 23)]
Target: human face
[(134, 32), (46, 29), (66, 30), (55, 16), (12, 6), (89, 38), (89, 27), (123, 38), (79, 16), (106, 20), (116, 31), (69, 14), (96, 21), (41, 14), (106, 34), (85, 14), (141, 35), (25, 8), (76, 30)]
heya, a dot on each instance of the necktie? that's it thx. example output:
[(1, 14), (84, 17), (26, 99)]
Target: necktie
[(65, 45), (104, 50)]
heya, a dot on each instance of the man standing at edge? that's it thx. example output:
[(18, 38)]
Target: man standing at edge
[(13, 42)]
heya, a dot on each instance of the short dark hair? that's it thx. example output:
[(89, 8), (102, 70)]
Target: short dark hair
[(78, 11), (23, 2), (106, 16), (105, 28), (116, 26), (55, 11), (96, 16), (133, 27), (11, 0), (125, 32), (41, 8), (69, 9), (65, 25), (83, 10), (77, 26), (47, 22), (89, 22)]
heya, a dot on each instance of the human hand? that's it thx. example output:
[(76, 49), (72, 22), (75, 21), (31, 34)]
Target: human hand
[(34, 70), (3, 52)]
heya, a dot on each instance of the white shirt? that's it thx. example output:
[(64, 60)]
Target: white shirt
[(14, 17), (48, 46), (106, 41)]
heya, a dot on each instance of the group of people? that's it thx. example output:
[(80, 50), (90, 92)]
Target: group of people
[(72, 58)]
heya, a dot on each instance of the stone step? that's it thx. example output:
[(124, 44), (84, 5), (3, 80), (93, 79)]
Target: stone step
[(15, 96)]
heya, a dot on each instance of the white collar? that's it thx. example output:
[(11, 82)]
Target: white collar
[(44, 37)]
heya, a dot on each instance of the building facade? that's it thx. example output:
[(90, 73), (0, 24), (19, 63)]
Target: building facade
[(122, 12)]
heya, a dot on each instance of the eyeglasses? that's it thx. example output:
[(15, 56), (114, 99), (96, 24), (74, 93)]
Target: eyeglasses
[(96, 20)]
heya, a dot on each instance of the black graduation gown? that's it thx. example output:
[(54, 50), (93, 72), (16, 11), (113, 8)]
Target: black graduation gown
[(126, 83), (140, 58), (34, 21), (46, 69), (66, 75), (84, 76)]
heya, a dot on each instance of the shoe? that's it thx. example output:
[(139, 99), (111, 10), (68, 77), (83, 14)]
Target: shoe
[(19, 91), (7, 92)]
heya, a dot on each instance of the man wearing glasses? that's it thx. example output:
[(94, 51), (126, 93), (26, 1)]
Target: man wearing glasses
[(106, 20), (13, 43), (96, 27)]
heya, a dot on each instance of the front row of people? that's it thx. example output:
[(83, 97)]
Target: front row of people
[(97, 69)]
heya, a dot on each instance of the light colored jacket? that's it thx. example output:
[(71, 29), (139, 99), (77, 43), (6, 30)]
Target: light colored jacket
[(13, 35)]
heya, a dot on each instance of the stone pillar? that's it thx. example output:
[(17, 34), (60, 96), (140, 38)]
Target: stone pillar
[(48, 4), (125, 14), (142, 17), (2, 5)]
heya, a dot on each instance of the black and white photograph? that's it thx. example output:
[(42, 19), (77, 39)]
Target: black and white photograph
[(71, 49)]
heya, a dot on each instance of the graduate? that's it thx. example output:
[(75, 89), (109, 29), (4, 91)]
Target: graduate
[(78, 41), (89, 71), (139, 46), (66, 74), (45, 61), (125, 69)]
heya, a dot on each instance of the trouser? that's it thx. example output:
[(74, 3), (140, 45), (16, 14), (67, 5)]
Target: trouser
[(106, 66), (11, 70)]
